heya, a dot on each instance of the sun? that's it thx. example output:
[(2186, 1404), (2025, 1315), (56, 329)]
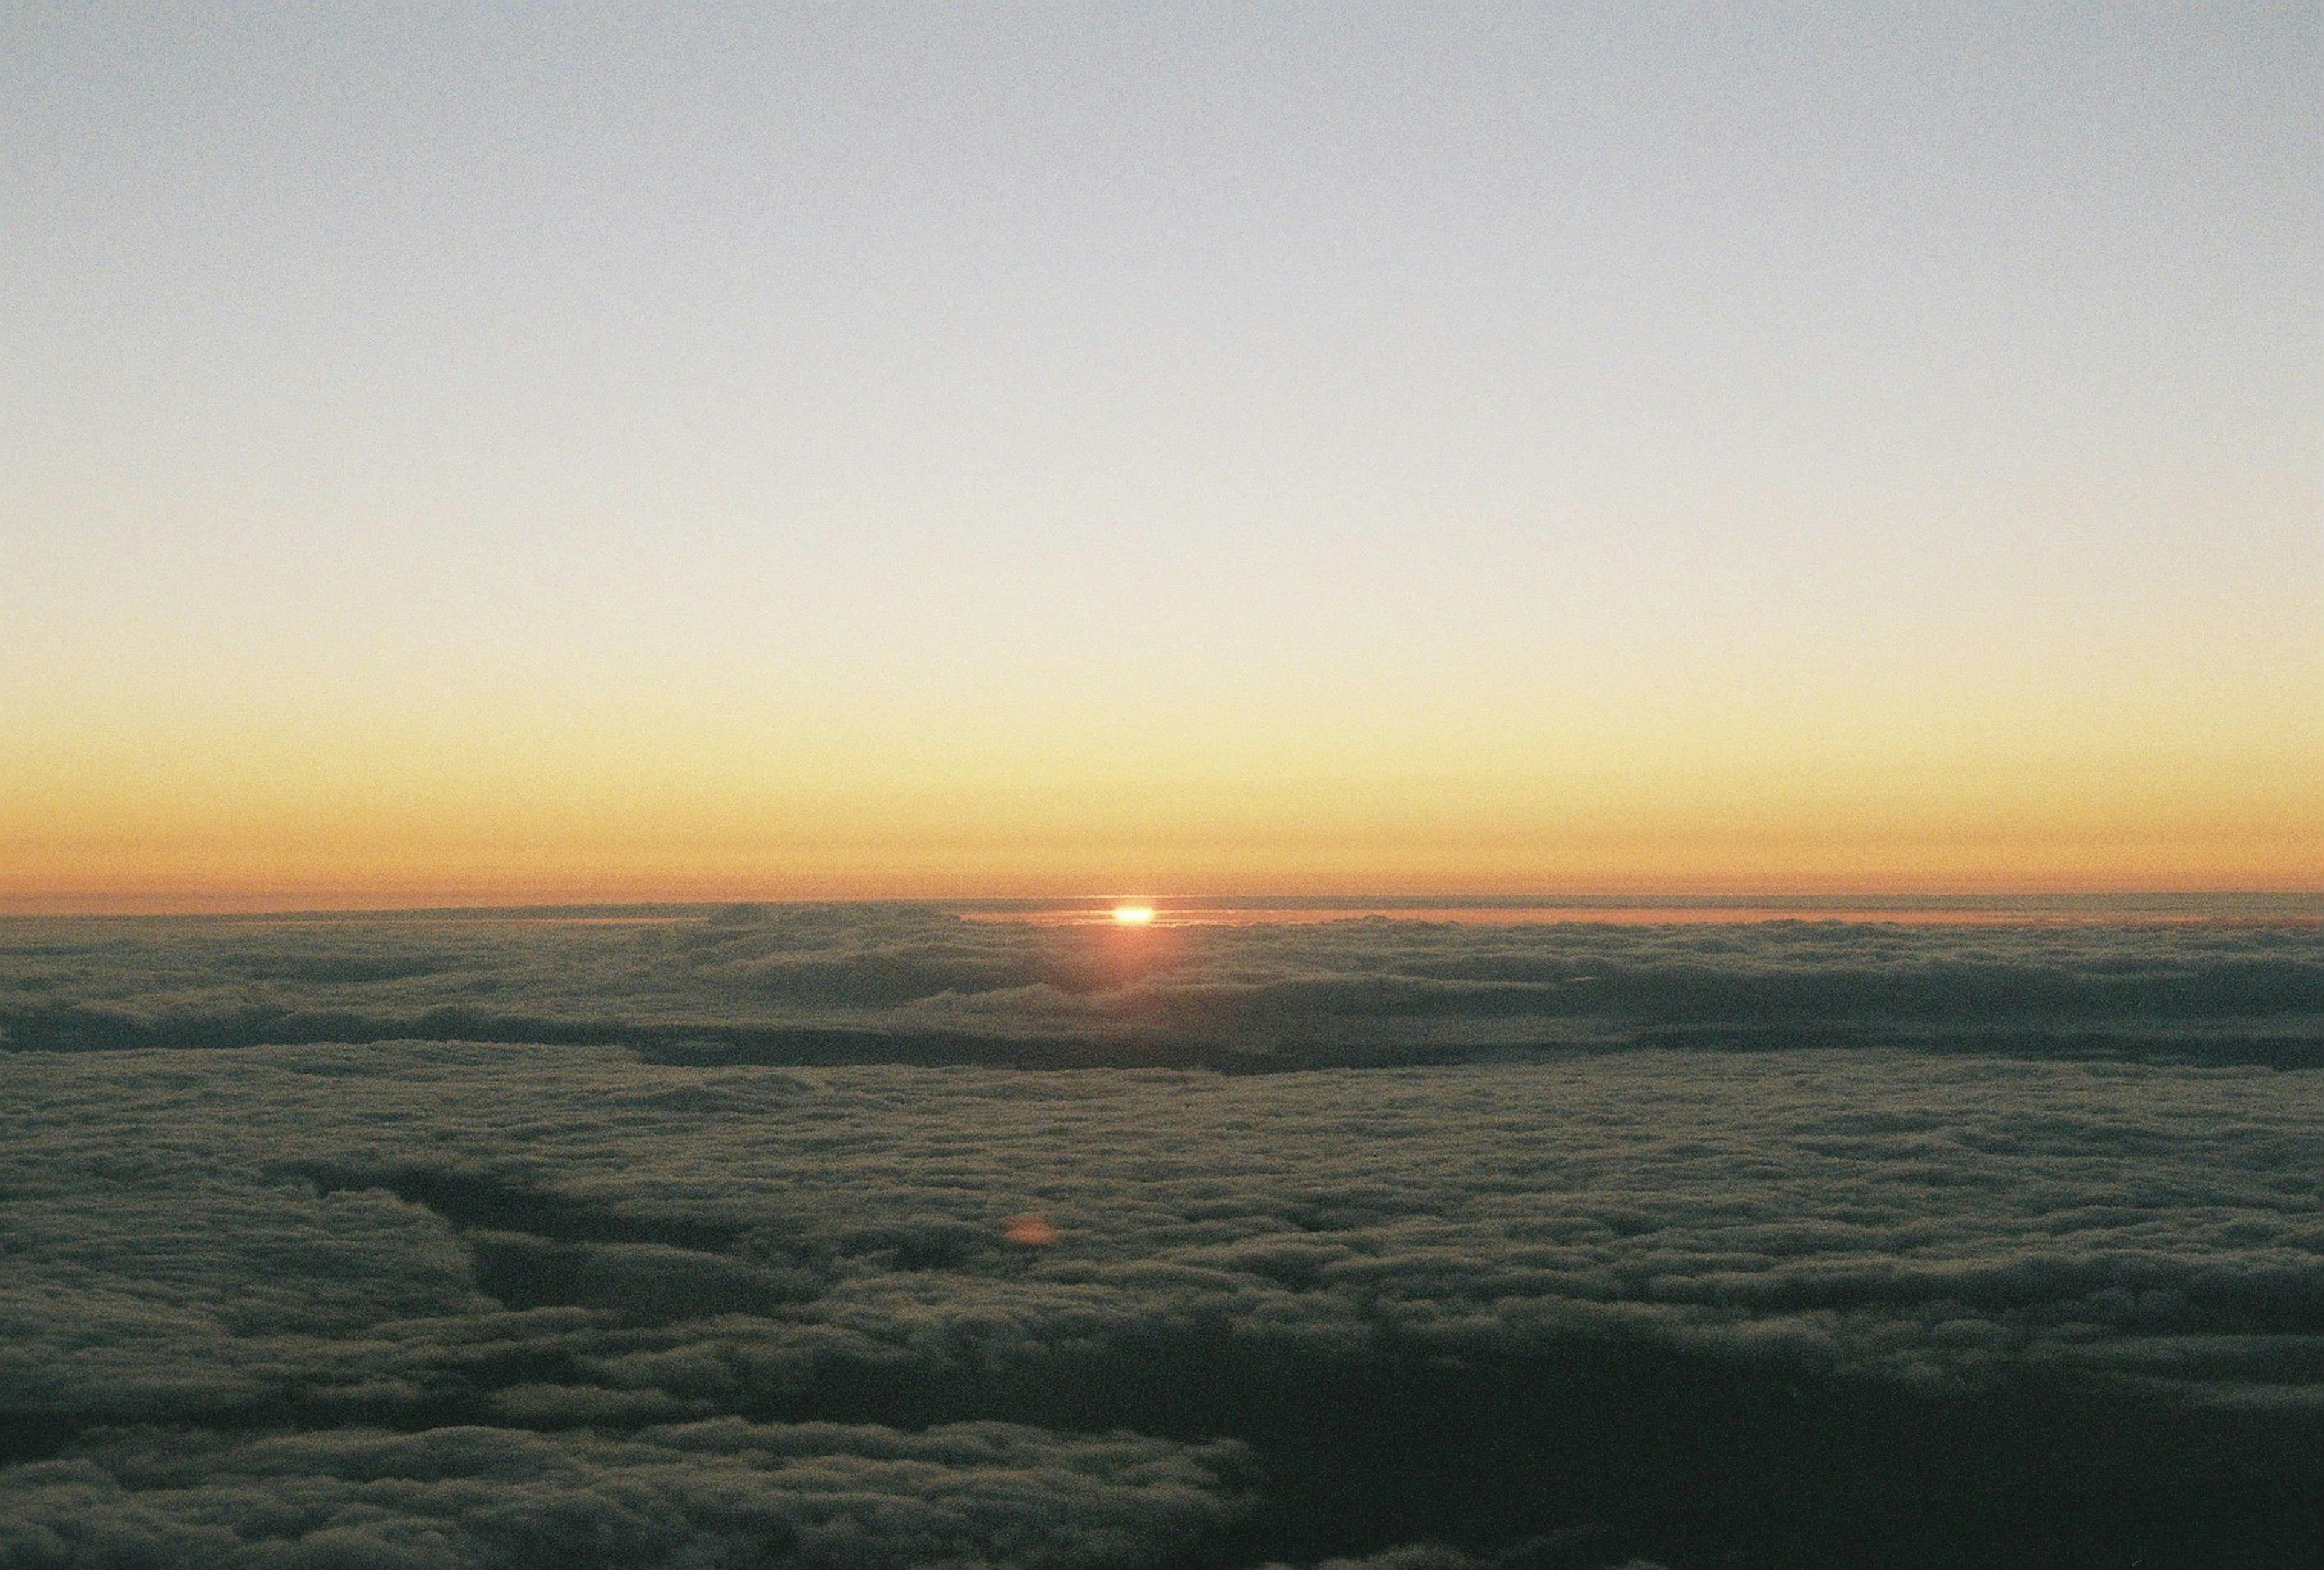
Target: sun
[(1133, 915)]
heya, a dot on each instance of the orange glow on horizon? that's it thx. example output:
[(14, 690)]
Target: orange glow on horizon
[(287, 825), (285, 874)]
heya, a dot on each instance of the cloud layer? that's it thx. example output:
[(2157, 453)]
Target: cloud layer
[(723, 1492), (906, 983), (461, 1302)]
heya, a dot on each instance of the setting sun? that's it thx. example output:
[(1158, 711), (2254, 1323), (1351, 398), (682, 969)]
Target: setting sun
[(1133, 915)]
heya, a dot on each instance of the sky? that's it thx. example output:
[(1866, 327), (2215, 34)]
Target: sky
[(488, 454)]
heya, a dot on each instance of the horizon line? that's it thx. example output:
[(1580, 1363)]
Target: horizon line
[(66, 906)]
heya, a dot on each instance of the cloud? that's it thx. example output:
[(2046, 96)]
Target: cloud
[(1859, 1304), (914, 983), (720, 1493)]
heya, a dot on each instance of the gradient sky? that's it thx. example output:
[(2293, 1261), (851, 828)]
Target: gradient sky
[(462, 453)]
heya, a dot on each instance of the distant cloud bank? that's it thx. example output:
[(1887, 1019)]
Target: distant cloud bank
[(913, 984)]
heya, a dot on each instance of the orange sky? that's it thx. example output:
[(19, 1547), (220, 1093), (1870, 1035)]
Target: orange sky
[(310, 815)]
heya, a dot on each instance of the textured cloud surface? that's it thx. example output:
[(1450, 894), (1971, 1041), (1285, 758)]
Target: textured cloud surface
[(472, 1303), (917, 983), (720, 1493)]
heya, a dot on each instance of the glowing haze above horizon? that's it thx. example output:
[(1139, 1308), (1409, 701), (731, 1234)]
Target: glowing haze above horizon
[(490, 454)]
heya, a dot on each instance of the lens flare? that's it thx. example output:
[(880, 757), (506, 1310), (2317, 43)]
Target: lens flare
[(1029, 1232)]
